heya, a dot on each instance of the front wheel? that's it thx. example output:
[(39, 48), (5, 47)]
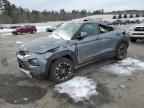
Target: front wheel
[(61, 70), (121, 51)]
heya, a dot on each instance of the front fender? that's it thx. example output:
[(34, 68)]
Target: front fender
[(58, 55)]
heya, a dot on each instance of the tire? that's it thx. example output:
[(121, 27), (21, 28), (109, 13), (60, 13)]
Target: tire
[(32, 32), (16, 33), (121, 51), (133, 39), (61, 70)]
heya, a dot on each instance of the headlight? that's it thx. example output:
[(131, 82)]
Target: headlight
[(34, 62), (25, 54)]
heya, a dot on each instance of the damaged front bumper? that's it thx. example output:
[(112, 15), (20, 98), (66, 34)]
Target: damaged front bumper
[(27, 73), (32, 71)]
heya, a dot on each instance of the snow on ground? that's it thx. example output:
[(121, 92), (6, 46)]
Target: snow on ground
[(5, 32), (78, 88), (19, 42), (42, 29), (125, 67)]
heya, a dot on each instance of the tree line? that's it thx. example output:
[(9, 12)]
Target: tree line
[(119, 16), (10, 13)]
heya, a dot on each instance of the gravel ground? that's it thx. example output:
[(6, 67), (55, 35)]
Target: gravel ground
[(18, 91)]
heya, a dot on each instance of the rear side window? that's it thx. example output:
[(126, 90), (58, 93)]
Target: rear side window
[(29, 26), (24, 27), (105, 29), (91, 29)]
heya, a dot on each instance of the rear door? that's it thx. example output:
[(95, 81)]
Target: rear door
[(24, 29), (29, 29), (91, 46)]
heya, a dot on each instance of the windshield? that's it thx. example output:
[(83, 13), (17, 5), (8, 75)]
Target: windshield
[(67, 30)]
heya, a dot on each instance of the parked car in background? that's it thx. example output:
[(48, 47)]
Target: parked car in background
[(136, 32), (135, 21), (1, 27), (125, 21), (138, 21), (132, 21), (14, 26), (72, 45), (25, 29), (116, 22), (52, 28)]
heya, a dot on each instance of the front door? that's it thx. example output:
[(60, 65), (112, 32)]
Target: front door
[(91, 46)]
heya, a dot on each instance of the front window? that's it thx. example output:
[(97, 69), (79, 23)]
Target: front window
[(90, 29), (67, 30)]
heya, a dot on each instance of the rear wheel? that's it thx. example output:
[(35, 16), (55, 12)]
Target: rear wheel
[(61, 70), (121, 51), (133, 39), (16, 33)]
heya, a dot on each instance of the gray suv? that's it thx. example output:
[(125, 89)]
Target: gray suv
[(72, 45)]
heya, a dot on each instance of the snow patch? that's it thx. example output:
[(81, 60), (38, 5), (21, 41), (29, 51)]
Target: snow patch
[(41, 29), (6, 32), (78, 88), (125, 67)]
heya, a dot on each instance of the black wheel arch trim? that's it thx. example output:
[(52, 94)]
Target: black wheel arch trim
[(122, 41), (126, 41), (68, 54)]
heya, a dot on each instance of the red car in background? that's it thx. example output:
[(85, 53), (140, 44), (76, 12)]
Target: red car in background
[(25, 29)]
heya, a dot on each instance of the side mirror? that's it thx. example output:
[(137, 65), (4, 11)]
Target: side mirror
[(82, 35)]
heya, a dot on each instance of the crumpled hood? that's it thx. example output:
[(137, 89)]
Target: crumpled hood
[(42, 45)]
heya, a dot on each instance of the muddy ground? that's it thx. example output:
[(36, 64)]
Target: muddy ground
[(18, 91)]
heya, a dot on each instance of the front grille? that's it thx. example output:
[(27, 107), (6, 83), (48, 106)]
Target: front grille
[(139, 29), (138, 34), (21, 64), (22, 53)]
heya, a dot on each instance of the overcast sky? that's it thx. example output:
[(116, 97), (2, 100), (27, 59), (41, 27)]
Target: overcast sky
[(107, 5)]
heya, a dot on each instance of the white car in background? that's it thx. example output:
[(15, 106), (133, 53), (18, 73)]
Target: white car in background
[(2, 27), (136, 32)]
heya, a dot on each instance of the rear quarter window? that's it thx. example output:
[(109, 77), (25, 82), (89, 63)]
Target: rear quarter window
[(105, 29)]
